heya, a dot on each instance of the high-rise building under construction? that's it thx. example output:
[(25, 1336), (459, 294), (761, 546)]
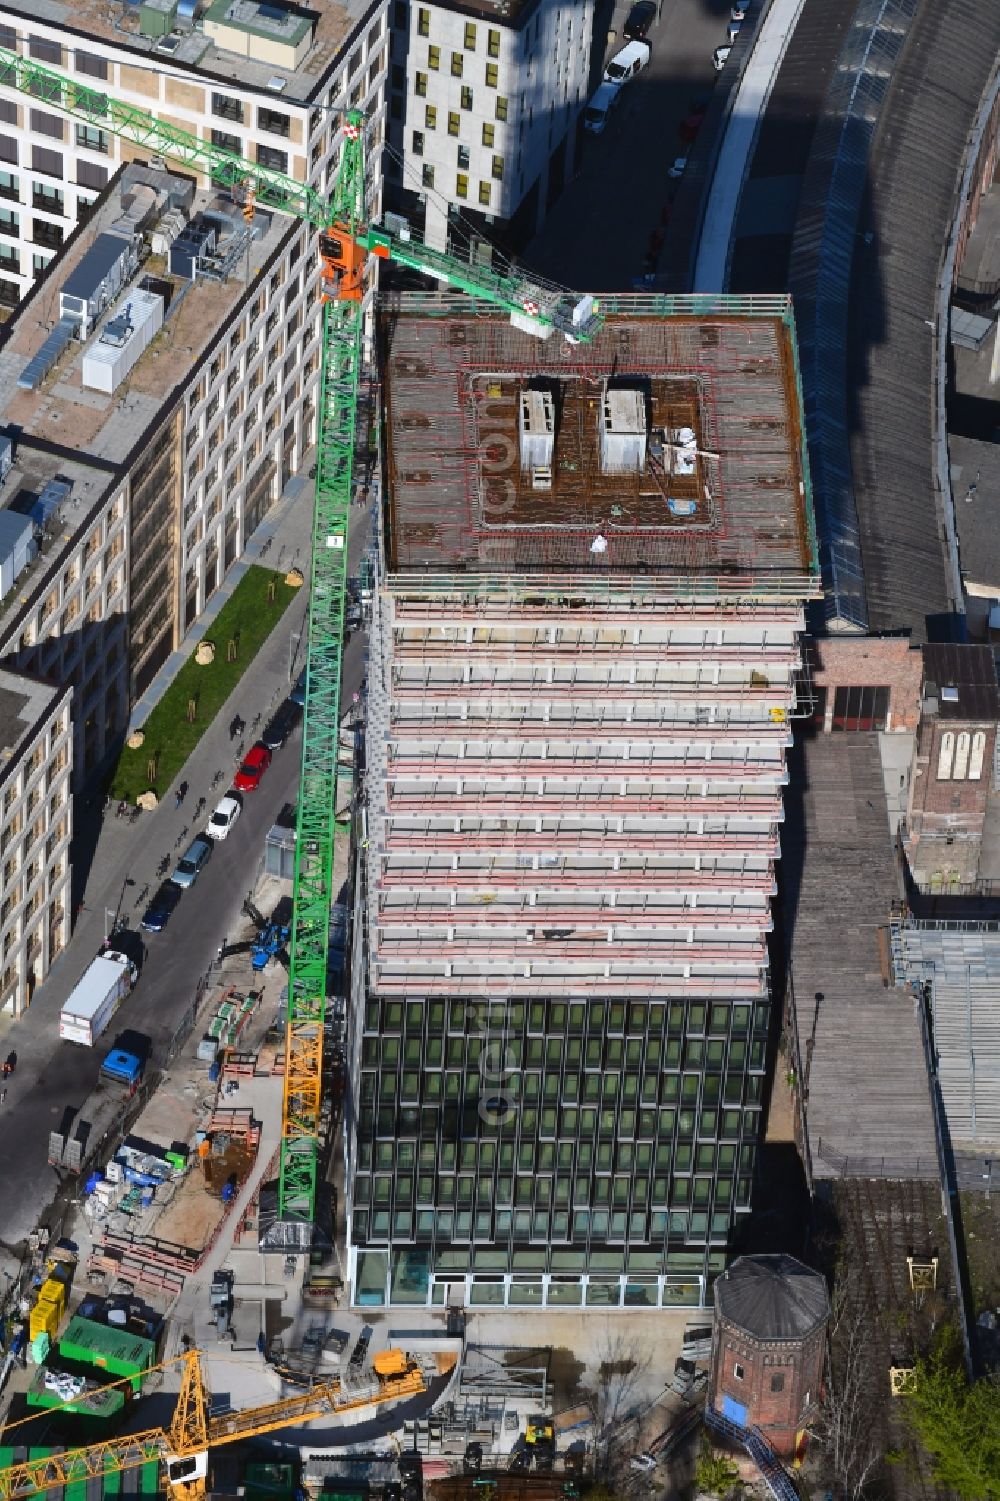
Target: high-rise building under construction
[(584, 651)]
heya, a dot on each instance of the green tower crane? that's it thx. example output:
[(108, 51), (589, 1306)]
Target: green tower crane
[(345, 243)]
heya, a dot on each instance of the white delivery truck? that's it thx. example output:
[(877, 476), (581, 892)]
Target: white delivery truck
[(96, 997)]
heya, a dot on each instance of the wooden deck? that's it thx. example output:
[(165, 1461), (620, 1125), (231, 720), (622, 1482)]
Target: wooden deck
[(867, 1109)]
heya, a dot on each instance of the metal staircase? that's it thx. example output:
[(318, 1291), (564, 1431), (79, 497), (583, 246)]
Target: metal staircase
[(776, 1477)]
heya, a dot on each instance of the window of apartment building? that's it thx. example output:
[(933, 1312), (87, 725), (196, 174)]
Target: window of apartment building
[(49, 163), (430, 116), (493, 43), (10, 260), (44, 124), (489, 135), (426, 177), (44, 51), (418, 143), (10, 186), (457, 64), (423, 22), (8, 38), (498, 168), (49, 235), (470, 36), (492, 75), (52, 200), (91, 175), (434, 58), (8, 149), (273, 122), (461, 186), (9, 223), (270, 156), (485, 193), (454, 122), (94, 67), (466, 99), (398, 76), (227, 109), (10, 291), (420, 85), (501, 108), (463, 158), (89, 138), (227, 142), (8, 112)]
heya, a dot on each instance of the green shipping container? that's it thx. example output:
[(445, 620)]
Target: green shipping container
[(113, 1350)]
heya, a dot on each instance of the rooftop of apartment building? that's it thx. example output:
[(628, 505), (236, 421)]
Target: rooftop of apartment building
[(272, 47), (24, 702), (146, 317), (671, 443), (44, 498)]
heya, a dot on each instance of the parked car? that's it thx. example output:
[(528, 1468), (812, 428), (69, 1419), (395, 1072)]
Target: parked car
[(626, 63), (157, 914), (298, 693), (598, 111), (719, 57), (354, 617), (677, 170), (640, 21), (283, 721), (733, 31), (192, 862), (689, 128), (739, 10), (256, 762), (226, 812)]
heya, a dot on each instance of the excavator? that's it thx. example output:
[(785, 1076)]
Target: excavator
[(183, 1449)]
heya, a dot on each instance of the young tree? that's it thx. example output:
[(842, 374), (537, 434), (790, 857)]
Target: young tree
[(622, 1367), (957, 1424), (847, 1423), (714, 1473)]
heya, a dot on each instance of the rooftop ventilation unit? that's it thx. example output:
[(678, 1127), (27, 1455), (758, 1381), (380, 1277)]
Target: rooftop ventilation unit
[(47, 505), (39, 365), (97, 280), (537, 425), (18, 547), (623, 432), (123, 341)]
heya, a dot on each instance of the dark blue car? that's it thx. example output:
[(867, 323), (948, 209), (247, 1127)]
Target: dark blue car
[(157, 914), (298, 693)]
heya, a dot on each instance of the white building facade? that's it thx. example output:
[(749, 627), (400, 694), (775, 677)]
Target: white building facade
[(35, 829), (52, 167), (484, 111)]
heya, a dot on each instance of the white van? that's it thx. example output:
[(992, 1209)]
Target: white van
[(595, 116), (627, 63)]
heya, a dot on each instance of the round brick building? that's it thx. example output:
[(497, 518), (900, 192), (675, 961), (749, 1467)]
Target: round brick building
[(768, 1346)]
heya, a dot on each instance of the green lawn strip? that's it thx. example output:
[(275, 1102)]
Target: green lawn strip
[(248, 617)]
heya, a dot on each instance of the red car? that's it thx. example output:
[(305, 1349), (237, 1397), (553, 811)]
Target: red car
[(258, 759)]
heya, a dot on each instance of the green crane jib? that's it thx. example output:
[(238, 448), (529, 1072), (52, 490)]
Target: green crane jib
[(345, 242)]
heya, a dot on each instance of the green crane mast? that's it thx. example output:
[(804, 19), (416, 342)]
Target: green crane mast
[(345, 241)]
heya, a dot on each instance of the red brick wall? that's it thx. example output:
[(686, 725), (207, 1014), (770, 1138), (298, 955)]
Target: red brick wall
[(870, 662), (780, 1415), (951, 804)]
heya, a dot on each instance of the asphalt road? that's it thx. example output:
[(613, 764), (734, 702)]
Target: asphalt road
[(52, 1075), (596, 235)]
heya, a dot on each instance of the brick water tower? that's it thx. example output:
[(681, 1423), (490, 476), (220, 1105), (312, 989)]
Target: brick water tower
[(768, 1346)]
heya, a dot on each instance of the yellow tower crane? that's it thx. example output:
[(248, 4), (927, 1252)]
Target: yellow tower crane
[(183, 1449)]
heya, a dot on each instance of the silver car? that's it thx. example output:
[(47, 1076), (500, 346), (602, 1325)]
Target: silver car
[(191, 863)]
